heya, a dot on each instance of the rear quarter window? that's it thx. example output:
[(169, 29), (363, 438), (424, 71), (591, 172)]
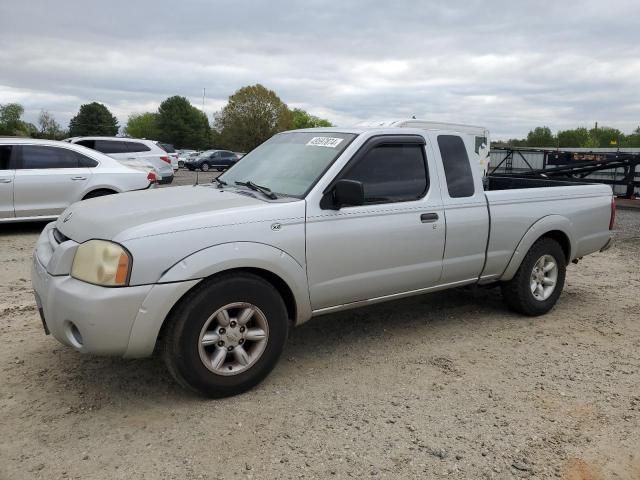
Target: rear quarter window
[(87, 162), (457, 169)]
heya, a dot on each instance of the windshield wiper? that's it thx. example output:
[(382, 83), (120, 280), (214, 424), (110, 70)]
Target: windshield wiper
[(221, 183), (258, 188)]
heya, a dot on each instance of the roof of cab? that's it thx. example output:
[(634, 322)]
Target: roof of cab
[(396, 125)]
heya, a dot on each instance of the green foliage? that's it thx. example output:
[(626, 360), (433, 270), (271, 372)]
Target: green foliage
[(541, 137), (581, 137), (302, 119), (252, 115), (605, 137), (93, 119), (143, 125), (578, 137), (633, 140), (11, 123), (182, 124)]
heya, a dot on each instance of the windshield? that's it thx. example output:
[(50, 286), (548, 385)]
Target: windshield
[(289, 163)]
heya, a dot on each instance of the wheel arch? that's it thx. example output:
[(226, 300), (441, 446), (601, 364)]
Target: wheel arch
[(267, 262), (109, 190), (556, 227)]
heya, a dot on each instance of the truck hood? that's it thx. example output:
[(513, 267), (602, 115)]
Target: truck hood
[(151, 212)]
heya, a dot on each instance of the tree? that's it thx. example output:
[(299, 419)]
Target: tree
[(302, 119), (633, 140), (605, 137), (49, 127), (143, 125), (252, 115), (541, 137), (93, 119), (10, 123), (182, 124), (578, 137)]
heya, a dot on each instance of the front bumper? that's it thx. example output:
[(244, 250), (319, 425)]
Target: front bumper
[(87, 317), (122, 322)]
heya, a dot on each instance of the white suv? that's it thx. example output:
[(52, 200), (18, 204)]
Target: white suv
[(129, 150)]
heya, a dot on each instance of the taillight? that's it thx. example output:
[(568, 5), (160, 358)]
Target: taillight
[(164, 158), (612, 220), (152, 177)]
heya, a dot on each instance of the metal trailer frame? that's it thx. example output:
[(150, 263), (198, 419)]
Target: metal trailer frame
[(578, 170)]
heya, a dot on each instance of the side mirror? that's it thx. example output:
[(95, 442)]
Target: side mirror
[(348, 193)]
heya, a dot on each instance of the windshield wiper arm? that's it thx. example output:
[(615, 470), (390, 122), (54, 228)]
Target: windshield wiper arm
[(221, 183), (258, 188)]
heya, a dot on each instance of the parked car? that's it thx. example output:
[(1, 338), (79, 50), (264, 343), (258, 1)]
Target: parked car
[(173, 155), (212, 160), (40, 178), (184, 155), (131, 150), (308, 223)]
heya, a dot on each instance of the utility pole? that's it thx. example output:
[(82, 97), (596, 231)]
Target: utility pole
[(204, 91)]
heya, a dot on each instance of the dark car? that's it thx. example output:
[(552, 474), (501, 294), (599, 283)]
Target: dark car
[(212, 160)]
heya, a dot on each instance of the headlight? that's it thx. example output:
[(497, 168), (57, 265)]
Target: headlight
[(102, 263)]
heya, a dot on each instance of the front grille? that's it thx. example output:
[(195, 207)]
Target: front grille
[(59, 236)]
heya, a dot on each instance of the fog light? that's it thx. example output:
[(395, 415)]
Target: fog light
[(74, 335)]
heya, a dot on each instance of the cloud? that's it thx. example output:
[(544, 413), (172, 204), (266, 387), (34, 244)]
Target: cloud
[(509, 65)]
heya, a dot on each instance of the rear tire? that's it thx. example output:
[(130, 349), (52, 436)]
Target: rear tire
[(98, 193), (538, 283), (217, 354)]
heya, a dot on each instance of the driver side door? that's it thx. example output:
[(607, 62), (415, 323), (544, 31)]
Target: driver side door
[(391, 244)]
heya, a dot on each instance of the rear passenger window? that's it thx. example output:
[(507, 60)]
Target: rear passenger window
[(391, 173), (456, 166), (5, 156), (110, 146), (87, 143), (135, 147), (40, 156)]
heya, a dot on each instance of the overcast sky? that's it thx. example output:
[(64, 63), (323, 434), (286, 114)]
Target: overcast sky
[(506, 64)]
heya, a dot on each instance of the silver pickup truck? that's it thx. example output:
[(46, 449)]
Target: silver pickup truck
[(311, 222)]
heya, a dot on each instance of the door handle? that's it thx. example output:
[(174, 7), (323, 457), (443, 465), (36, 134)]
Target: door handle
[(429, 217), (78, 178), (5, 180)]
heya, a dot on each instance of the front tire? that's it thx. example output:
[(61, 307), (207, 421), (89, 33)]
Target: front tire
[(204, 167), (226, 335), (538, 283)]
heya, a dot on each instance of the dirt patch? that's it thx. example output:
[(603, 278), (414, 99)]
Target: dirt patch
[(444, 385)]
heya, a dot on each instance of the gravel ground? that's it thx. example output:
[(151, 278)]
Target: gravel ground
[(448, 384)]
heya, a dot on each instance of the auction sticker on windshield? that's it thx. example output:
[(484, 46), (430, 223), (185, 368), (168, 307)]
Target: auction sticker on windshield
[(330, 142)]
